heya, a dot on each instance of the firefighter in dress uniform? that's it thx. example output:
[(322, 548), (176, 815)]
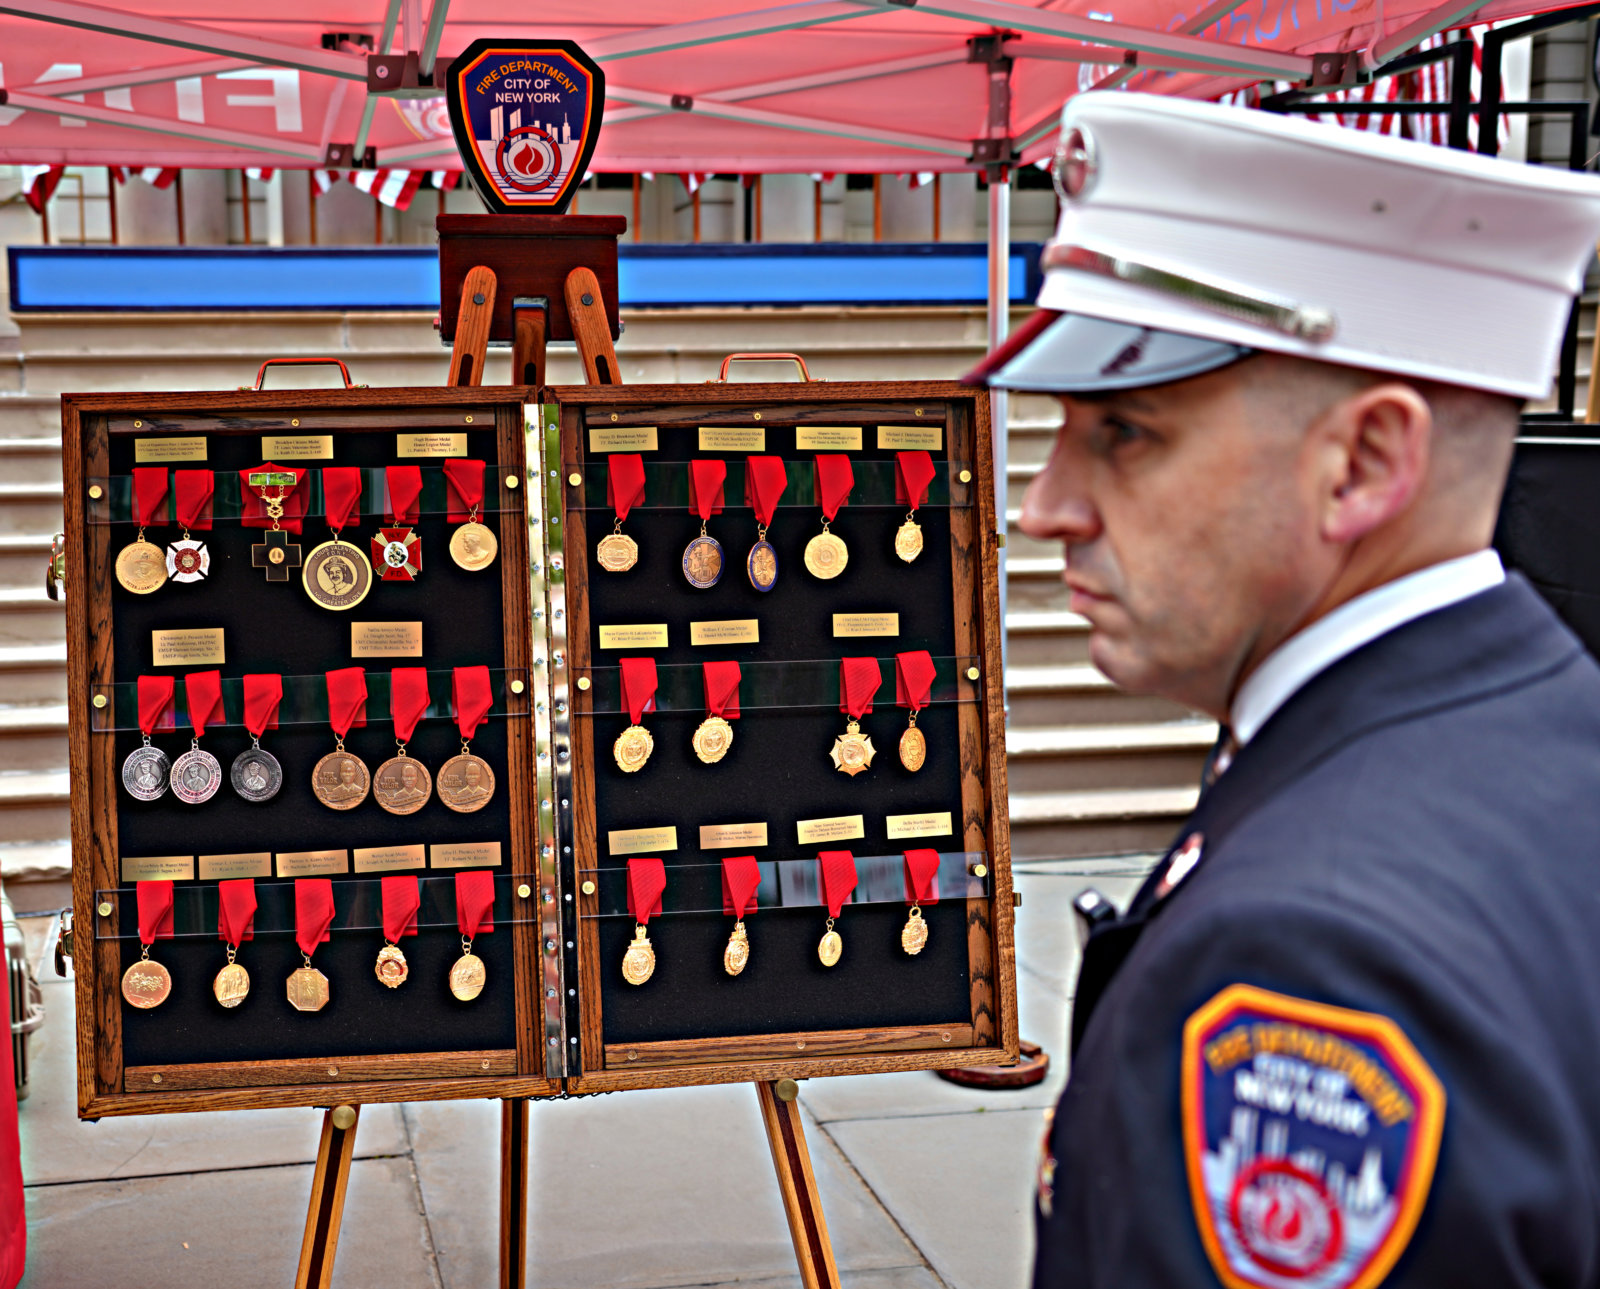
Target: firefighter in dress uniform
[(1348, 1031)]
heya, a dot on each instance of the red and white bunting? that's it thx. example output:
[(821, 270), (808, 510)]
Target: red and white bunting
[(694, 182), (322, 180), (393, 188), (39, 184), (445, 180), (260, 175), (159, 176)]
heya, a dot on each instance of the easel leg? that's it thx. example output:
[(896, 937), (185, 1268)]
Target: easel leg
[(472, 328), (780, 1112), (326, 1209), (586, 311), (513, 1193), (530, 316)]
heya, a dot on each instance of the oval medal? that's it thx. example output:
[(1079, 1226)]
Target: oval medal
[(914, 934), (146, 773), (913, 749), (231, 985), (391, 967), (402, 785), (196, 776), (713, 739), (830, 949), (141, 567), (467, 977), (639, 963), (737, 954), (340, 781), (473, 546), (337, 575), (826, 556), (702, 562), (617, 553), (908, 541), (146, 984), (761, 566), (632, 748), (256, 775), (466, 783), (188, 560)]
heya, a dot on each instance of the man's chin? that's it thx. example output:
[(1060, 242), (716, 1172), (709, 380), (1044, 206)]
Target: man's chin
[(1120, 664)]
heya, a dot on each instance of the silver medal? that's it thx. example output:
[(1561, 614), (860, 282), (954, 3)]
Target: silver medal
[(196, 776), (188, 560), (146, 772), (256, 774)]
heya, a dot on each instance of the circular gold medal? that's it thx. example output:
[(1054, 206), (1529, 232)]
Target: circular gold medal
[(465, 783), (914, 934), (713, 739), (737, 954), (402, 785), (141, 568), (908, 540), (231, 985), (617, 553), (391, 967), (473, 546), (830, 948), (632, 748), (852, 751), (340, 780), (146, 984), (337, 575), (826, 555), (913, 749), (639, 963), (467, 977), (308, 989)]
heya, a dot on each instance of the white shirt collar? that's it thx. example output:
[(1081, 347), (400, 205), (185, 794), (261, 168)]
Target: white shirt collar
[(1353, 624)]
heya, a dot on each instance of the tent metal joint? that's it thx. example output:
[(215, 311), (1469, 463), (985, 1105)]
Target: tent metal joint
[(343, 156), (1338, 69), (399, 76)]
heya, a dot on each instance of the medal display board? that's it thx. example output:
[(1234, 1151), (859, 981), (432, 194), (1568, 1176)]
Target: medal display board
[(303, 765), (778, 730)]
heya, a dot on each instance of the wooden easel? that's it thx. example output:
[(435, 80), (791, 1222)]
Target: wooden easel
[(778, 1099)]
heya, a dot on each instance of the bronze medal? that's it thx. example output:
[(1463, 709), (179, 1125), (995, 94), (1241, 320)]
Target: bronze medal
[(761, 565), (232, 982), (467, 976), (402, 785), (702, 561), (466, 783), (914, 934), (908, 540), (830, 948), (308, 989), (146, 984), (639, 963), (341, 780), (141, 567), (852, 751), (737, 955), (391, 966), (713, 739), (337, 575), (826, 555), (473, 546), (617, 552), (632, 748), (913, 747)]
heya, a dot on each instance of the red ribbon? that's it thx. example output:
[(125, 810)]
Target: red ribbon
[(741, 875), (262, 695), (254, 510), (706, 478), (405, 490), (149, 493), (859, 679), (474, 901), (624, 482), (155, 703), (472, 696), (236, 910), (402, 897), (765, 481), (408, 699), (463, 488), (313, 912), (193, 490), (913, 472), (838, 878), (155, 911), (913, 679), (647, 878), (638, 686), (722, 689), (341, 494), (203, 689), (922, 876), (347, 699), (834, 478)]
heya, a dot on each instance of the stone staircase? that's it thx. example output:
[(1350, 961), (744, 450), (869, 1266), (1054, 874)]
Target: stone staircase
[(1093, 771)]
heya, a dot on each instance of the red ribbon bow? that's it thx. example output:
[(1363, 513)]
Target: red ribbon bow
[(647, 879), (405, 491), (341, 493), (149, 493), (408, 699), (193, 490), (155, 703), (474, 902), (722, 689), (347, 699), (236, 910), (765, 481), (922, 876), (838, 869), (913, 472), (706, 477), (263, 694), (463, 487), (834, 478), (638, 686), (402, 897), (155, 911), (472, 696), (741, 875), (313, 912), (624, 482), (203, 690), (859, 679), (913, 679)]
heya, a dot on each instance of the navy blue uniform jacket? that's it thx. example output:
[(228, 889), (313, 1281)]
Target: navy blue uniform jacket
[(1410, 845)]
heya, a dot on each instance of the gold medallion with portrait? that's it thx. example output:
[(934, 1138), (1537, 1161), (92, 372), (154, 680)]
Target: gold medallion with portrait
[(341, 781), (473, 546), (466, 783), (402, 785), (337, 575), (141, 567), (908, 540), (852, 751), (639, 963)]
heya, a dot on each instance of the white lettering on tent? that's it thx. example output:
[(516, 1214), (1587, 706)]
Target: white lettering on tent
[(65, 72), (284, 99), (191, 100)]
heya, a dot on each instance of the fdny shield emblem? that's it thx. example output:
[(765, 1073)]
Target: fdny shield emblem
[(526, 116), (1310, 1137)]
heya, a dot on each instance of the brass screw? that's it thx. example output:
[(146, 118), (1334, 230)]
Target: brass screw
[(786, 1089), (486, 1065), (467, 419), (524, 890), (972, 673), (574, 478), (966, 476), (613, 416), (344, 1117), (588, 888), (512, 481), (517, 686), (294, 420), (95, 490), (138, 425), (919, 413), (99, 700), (583, 682), (155, 1078), (757, 416), (333, 1071), (104, 909), (945, 1036), (633, 1056), (801, 1045), (980, 870)]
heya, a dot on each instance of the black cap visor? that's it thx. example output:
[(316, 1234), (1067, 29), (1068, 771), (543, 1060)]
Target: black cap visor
[(1070, 353)]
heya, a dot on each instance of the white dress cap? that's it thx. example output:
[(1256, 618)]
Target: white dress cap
[(1243, 230)]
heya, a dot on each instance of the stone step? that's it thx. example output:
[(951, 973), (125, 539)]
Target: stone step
[(29, 416), (1034, 582), (1079, 694), (1096, 757), (33, 805), (30, 509), (34, 672), (1071, 825), (31, 459), (33, 736), (23, 557), (27, 617), (1045, 637), (24, 866)]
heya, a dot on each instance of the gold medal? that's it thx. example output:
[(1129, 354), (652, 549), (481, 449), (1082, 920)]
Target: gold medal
[(713, 739), (468, 974), (737, 954), (340, 780), (402, 785), (632, 748), (232, 982), (826, 555), (308, 988), (466, 782), (913, 747), (908, 540), (914, 934), (146, 984), (852, 751), (473, 546), (336, 575), (830, 948), (391, 966), (639, 962), (617, 552), (141, 567)]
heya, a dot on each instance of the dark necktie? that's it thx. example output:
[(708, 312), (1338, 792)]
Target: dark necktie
[(1220, 757)]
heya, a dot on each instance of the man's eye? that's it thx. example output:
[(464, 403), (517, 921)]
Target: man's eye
[(1118, 433)]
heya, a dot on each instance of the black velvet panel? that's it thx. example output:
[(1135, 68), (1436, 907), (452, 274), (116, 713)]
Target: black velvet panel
[(275, 627), (778, 770), (1549, 528)]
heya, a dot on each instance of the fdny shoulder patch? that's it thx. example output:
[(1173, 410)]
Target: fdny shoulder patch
[(1310, 1135)]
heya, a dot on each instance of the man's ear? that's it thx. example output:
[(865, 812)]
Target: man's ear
[(1376, 446)]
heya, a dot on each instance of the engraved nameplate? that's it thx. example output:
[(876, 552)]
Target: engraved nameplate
[(623, 438), (828, 438), (866, 624), (313, 863), (641, 635), (158, 868), (158, 451), (728, 631), (386, 639), (842, 828), (465, 854), (297, 447), (636, 841), (729, 836), (907, 438), (934, 824), (438, 444), (187, 648), (223, 868), (386, 859), (733, 438)]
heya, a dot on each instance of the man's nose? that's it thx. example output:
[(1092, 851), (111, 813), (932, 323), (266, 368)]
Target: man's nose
[(1057, 506)]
